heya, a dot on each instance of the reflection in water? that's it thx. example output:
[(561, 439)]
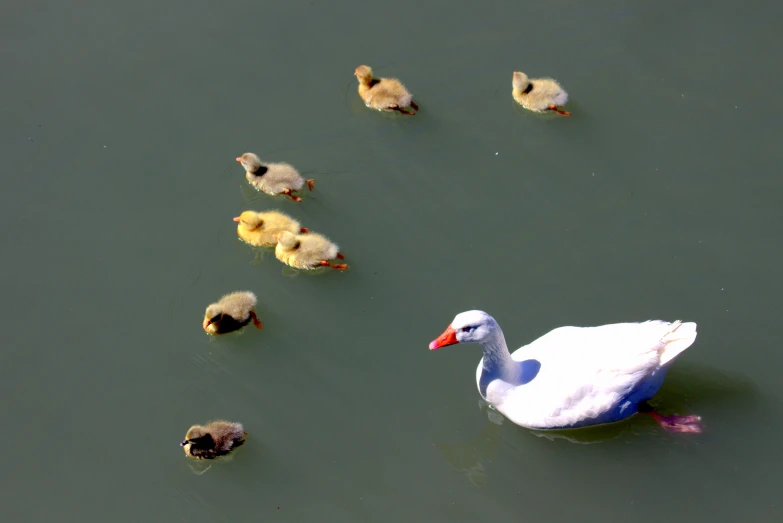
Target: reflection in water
[(201, 466), (249, 193), (588, 435), (290, 272), (688, 386), (685, 389), (258, 255), (472, 457), (198, 467), (224, 338)]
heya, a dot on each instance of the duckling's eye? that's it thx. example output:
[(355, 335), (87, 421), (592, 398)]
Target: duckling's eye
[(467, 328)]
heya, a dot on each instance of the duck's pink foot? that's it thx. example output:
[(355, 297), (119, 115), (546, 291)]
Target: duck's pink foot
[(287, 192), (337, 266), (691, 424), (559, 111), (402, 110), (256, 321)]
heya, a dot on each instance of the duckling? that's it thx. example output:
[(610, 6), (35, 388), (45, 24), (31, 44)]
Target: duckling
[(230, 313), (216, 438), (307, 251), (273, 178), (539, 94), (259, 228), (383, 94)]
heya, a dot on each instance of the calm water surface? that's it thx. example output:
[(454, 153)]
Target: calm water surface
[(659, 198)]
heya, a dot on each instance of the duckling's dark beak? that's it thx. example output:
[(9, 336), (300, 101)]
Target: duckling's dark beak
[(184, 442), (236, 219)]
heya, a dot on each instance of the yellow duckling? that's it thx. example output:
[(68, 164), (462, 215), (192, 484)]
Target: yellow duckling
[(273, 178), (307, 251), (230, 313), (383, 94), (539, 94), (216, 438), (259, 228)]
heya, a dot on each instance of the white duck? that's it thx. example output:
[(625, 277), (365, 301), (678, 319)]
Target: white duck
[(575, 376)]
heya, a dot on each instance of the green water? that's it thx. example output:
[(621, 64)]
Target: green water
[(658, 199)]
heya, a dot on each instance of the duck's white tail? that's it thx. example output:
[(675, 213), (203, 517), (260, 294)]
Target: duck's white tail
[(679, 337)]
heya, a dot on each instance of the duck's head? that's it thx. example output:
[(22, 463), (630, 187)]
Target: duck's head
[(250, 162), (194, 432), (364, 74), (250, 220), (212, 317), (196, 437), (520, 81), (467, 327), (287, 240)]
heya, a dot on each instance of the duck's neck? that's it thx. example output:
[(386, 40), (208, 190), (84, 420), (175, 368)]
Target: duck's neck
[(498, 365), (497, 359), (262, 169), (519, 91)]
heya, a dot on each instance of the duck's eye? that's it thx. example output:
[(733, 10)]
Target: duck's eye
[(467, 328)]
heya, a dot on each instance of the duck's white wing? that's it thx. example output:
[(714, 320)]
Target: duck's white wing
[(586, 371)]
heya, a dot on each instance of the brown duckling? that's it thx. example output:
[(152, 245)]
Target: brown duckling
[(273, 178), (538, 94), (307, 251), (383, 94), (216, 438), (230, 313), (259, 228)]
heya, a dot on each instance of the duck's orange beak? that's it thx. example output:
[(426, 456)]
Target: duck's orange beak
[(236, 219), (239, 159), (206, 323), (449, 337)]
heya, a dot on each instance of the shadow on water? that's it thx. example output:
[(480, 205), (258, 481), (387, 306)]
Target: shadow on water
[(689, 386), (685, 390)]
